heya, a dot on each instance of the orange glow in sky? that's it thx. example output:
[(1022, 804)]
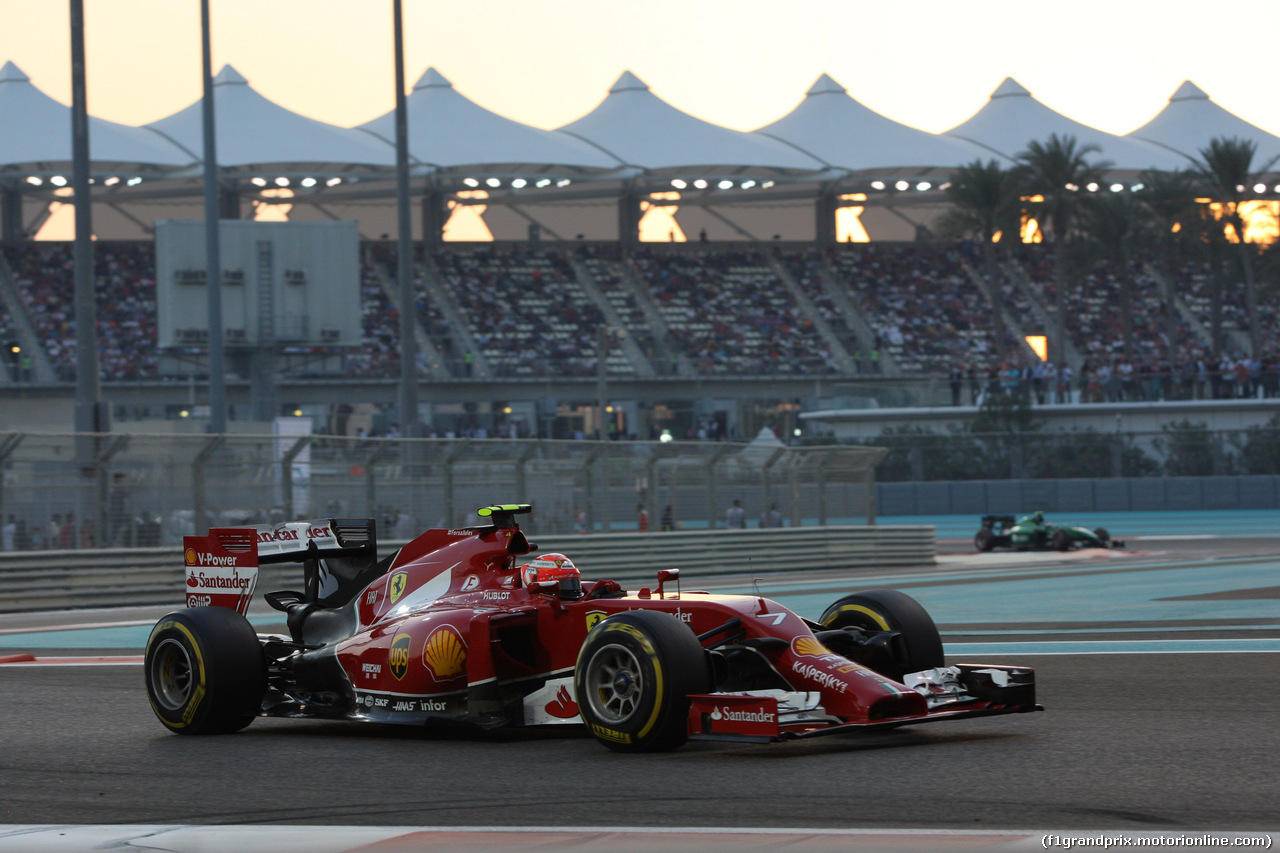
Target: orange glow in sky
[(742, 64)]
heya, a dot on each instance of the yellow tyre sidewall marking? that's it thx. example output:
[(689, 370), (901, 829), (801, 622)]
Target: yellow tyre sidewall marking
[(859, 608), (643, 639), (197, 695)]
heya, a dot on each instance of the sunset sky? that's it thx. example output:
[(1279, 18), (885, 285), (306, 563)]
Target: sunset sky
[(742, 64)]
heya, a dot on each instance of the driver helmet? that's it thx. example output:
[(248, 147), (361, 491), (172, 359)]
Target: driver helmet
[(1038, 517), (553, 567)]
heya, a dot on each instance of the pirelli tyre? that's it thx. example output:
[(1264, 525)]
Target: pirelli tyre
[(911, 640), (205, 671), (633, 679)]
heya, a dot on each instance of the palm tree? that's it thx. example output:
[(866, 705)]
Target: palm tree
[(984, 198), (1116, 228), (1226, 166), (1169, 200), (1057, 171)]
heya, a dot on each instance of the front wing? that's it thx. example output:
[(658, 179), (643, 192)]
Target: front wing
[(952, 693)]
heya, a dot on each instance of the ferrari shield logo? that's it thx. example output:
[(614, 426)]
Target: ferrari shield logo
[(593, 617), (396, 585)]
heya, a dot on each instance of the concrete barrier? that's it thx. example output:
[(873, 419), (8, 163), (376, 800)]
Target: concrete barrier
[(52, 580)]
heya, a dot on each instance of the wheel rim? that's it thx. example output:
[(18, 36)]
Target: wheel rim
[(171, 674), (614, 684)]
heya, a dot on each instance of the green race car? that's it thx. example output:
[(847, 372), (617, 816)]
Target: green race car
[(1033, 533)]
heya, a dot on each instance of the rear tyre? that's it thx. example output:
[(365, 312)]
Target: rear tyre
[(984, 540), (634, 675), (205, 671), (917, 645), (1103, 536), (1061, 541)]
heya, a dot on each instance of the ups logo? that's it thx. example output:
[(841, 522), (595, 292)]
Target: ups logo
[(399, 658)]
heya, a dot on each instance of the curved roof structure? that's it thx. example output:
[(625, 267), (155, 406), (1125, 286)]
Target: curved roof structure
[(1012, 118), (447, 130), (835, 128), (254, 131), (35, 131), (642, 130), (1191, 119)]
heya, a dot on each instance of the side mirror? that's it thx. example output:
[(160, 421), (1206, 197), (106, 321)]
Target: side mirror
[(668, 575)]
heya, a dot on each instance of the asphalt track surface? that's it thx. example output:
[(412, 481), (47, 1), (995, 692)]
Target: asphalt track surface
[(1157, 667)]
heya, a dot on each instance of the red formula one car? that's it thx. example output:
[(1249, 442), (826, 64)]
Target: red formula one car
[(460, 625)]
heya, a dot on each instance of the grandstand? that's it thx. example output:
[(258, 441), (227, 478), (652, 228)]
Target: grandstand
[(764, 312)]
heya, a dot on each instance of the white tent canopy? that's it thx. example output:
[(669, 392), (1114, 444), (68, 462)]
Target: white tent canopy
[(447, 130), (35, 132), (1012, 118), (642, 130), (838, 130), (1191, 119), (254, 131)]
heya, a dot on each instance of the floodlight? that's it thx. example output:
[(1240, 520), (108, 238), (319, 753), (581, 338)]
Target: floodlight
[(333, 182), (877, 185), (1259, 188), (901, 185), (1071, 188), (746, 185), (563, 182), (112, 181), (34, 181), (700, 184), (282, 181), (519, 183), (545, 182), (134, 181), (1091, 187), (471, 182), (493, 182), (924, 185), (766, 185), (678, 184), (58, 181), (258, 182), (725, 185), (308, 182), (1115, 188)]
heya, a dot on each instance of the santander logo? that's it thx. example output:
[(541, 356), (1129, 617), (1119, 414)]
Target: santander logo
[(563, 706)]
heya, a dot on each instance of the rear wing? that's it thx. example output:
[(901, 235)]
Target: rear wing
[(339, 555)]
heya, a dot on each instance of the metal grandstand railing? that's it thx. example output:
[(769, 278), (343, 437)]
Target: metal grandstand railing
[(139, 490)]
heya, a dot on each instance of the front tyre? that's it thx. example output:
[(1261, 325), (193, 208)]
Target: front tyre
[(914, 643), (205, 671), (633, 678)]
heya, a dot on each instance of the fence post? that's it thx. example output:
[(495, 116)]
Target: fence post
[(111, 447), (449, 458), (588, 486), (370, 480), (712, 501), (522, 476), (7, 446), (286, 475), (200, 521)]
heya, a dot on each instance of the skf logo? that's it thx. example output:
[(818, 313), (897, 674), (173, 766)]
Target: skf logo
[(397, 585), (594, 617), (399, 659)]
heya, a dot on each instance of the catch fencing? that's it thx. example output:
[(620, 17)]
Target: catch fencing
[(132, 490)]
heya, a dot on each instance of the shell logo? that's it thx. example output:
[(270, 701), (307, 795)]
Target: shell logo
[(445, 653), (191, 556), (808, 646)]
